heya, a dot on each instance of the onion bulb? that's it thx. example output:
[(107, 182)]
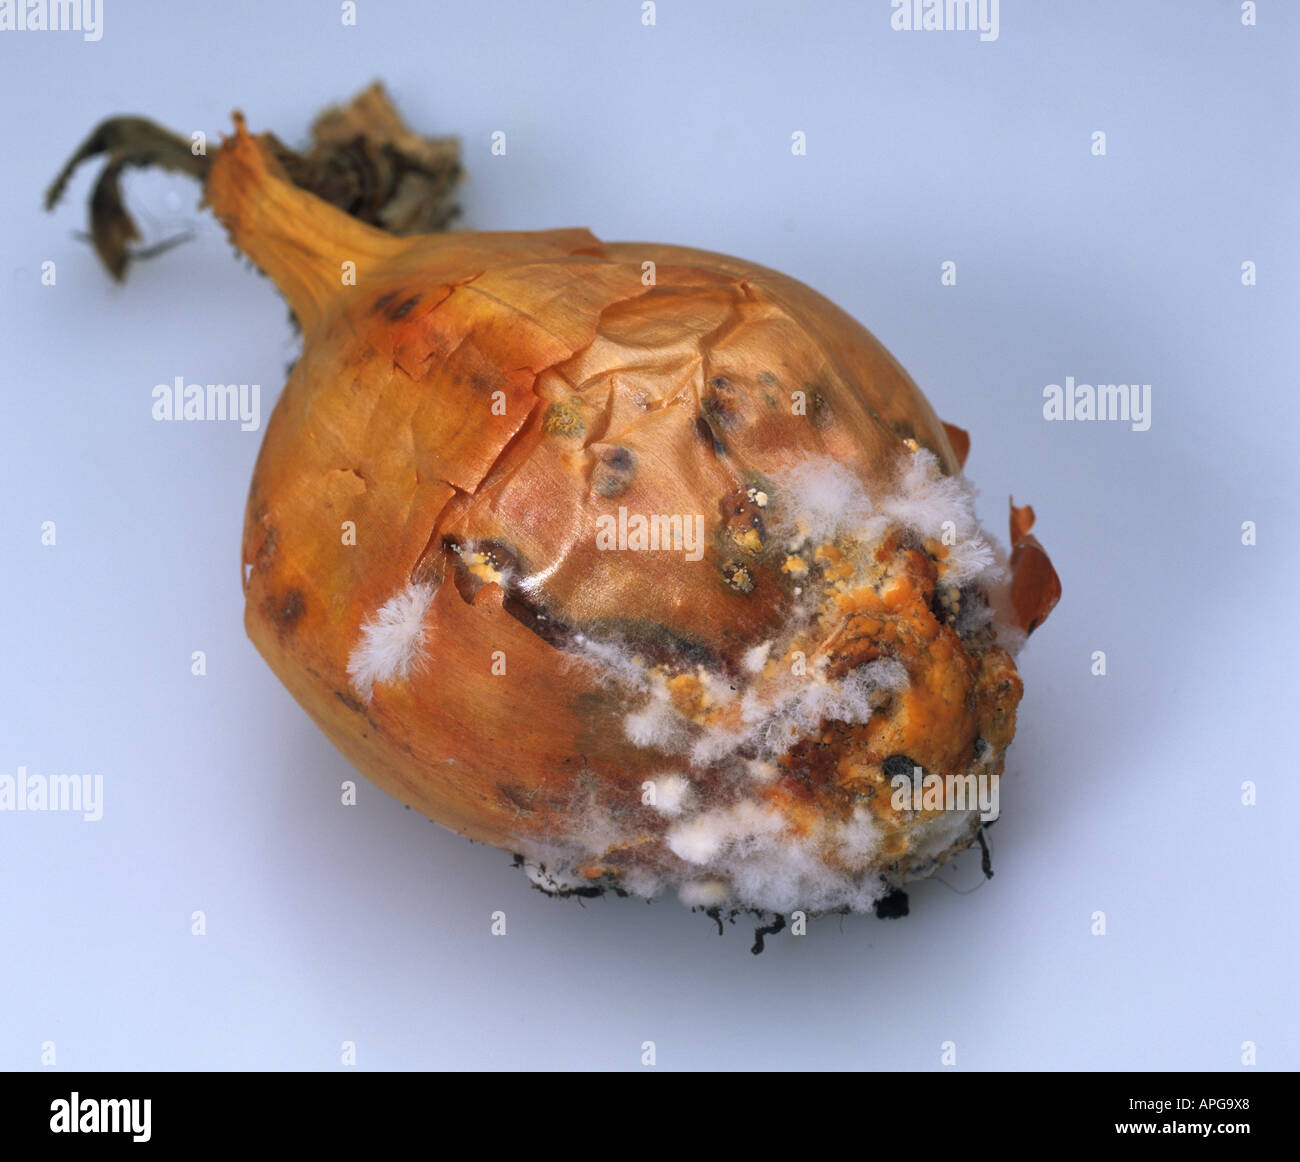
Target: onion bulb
[(647, 564)]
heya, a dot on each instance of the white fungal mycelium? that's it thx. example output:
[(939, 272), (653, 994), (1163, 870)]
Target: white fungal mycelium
[(732, 847), (729, 845), (391, 645), (671, 793)]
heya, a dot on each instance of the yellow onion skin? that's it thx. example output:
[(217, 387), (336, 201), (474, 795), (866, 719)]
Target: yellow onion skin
[(470, 407)]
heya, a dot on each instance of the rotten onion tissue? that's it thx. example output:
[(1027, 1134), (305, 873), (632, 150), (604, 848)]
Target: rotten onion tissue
[(662, 570)]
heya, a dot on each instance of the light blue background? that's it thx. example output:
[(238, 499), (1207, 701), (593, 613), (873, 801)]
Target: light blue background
[(371, 924)]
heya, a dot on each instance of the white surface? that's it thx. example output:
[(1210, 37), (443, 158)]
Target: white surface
[(372, 925)]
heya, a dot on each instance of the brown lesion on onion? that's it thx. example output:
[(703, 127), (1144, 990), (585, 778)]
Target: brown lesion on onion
[(564, 418), (738, 576), (403, 309), (654, 644), (742, 522), (520, 798), (657, 645), (285, 610), (614, 471), (705, 430), (476, 564), (350, 701), (721, 405), (820, 411)]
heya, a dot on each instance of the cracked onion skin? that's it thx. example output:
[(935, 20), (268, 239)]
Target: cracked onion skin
[(473, 405)]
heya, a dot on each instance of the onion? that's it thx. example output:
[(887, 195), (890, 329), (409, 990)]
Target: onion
[(647, 564)]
